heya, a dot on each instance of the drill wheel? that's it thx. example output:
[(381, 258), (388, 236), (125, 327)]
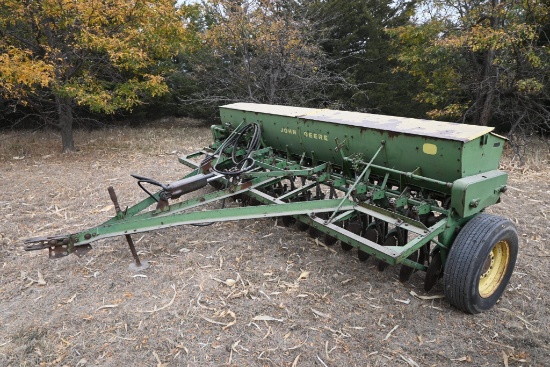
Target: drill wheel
[(391, 240), (371, 234), (301, 226), (314, 232), (434, 272), (288, 221), (406, 271), (354, 227), (328, 240)]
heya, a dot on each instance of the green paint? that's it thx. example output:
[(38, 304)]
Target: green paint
[(392, 170)]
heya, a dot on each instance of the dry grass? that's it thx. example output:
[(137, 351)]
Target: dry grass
[(240, 293), (160, 137), (533, 155)]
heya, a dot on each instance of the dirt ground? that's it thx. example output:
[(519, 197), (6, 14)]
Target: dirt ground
[(245, 293)]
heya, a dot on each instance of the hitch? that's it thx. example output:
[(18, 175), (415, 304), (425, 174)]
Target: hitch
[(58, 246)]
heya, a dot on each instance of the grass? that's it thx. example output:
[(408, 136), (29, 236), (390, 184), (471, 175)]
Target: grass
[(158, 137), (532, 155)]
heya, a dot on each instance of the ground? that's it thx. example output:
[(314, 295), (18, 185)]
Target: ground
[(246, 293)]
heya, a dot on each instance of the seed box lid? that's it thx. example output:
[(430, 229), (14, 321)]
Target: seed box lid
[(404, 125)]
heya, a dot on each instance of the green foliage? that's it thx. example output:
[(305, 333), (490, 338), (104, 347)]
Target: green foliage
[(484, 62), (105, 55), (356, 41), (436, 67), (257, 51)]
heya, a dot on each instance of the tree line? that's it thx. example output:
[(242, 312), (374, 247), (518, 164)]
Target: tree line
[(70, 62)]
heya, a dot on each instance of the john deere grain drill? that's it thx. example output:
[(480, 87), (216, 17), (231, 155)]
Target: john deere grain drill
[(403, 191)]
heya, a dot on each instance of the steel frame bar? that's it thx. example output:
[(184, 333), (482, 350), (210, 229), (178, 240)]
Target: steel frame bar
[(273, 170), (288, 172), (142, 223), (392, 255)]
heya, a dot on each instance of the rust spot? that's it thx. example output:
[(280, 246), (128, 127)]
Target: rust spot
[(392, 134), (246, 185), (57, 252), (162, 204), (207, 166), (82, 250)]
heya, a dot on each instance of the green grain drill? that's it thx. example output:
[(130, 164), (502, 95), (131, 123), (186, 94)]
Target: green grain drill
[(401, 191)]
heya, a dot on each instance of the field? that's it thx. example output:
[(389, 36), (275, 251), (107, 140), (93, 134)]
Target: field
[(248, 293)]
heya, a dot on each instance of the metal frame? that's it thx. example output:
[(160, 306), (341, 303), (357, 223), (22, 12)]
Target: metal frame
[(273, 171)]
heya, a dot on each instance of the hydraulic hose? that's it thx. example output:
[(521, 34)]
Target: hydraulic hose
[(246, 163)]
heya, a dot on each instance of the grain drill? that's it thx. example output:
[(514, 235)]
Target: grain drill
[(401, 191)]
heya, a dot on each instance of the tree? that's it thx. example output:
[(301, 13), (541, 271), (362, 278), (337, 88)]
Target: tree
[(355, 39), (482, 61), (258, 51), (105, 55)]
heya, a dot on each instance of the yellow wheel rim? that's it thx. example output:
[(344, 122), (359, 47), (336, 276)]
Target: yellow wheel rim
[(494, 269)]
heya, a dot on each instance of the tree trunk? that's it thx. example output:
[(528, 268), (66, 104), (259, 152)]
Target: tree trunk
[(487, 81), (65, 113), (487, 110)]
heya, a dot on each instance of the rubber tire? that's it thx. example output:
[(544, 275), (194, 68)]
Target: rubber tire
[(465, 262)]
